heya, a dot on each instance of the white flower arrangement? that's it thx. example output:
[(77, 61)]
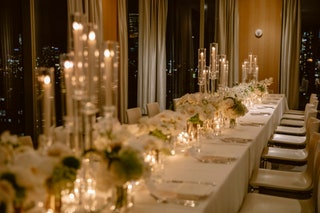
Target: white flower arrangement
[(204, 104), (232, 108), (30, 172), (168, 122), (121, 153), (260, 88)]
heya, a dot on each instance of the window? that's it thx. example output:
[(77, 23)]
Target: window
[(29, 38), (309, 51)]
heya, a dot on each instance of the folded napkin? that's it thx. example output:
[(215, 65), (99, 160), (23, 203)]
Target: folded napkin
[(260, 113), (236, 140), (207, 157), (269, 102), (182, 190), (257, 124), (214, 159)]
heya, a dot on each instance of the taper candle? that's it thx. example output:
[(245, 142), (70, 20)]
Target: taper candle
[(68, 69), (108, 76), (91, 56), (46, 104)]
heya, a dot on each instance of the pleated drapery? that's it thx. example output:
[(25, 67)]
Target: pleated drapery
[(152, 52), (227, 35), (123, 75), (290, 50)]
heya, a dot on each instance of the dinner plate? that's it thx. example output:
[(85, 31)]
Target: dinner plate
[(186, 190), (206, 157)]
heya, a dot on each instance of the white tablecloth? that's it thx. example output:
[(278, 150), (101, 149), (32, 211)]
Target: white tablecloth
[(231, 180)]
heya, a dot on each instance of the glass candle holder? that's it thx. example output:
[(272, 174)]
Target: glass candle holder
[(109, 73), (47, 106)]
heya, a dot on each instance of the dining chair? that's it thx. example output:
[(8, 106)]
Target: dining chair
[(133, 115), (289, 156), (264, 203), (313, 97), (25, 140), (298, 184), (175, 101), (153, 109), (294, 141), (296, 130), (299, 120), (312, 105)]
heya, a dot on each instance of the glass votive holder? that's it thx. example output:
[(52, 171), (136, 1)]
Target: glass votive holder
[(182, 144), (192, 131), (217, 124)]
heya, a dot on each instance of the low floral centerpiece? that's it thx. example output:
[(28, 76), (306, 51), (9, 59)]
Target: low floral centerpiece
[(232, 108), (122, 162), (203, 104), (31, 177), (260, 88)]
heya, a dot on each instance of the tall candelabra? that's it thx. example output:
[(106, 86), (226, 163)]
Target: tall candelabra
[(216, 74), (250, 69), (90, 77)]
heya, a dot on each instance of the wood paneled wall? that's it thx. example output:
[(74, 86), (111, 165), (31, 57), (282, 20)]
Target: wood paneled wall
[(110, 20), (265, 15)]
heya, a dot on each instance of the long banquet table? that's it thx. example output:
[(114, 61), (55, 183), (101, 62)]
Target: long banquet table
[(230, 180)]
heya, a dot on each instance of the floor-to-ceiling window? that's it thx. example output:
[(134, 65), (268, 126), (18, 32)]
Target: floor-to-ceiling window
[(182, 43), (33, 33), (310, 51), (11, 67)]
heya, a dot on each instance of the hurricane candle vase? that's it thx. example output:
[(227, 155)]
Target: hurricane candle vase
[(47, 115)]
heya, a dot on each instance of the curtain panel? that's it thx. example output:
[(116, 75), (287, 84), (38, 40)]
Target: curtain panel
[(123, 75), (152, 53), (290, 48), (227, 35)]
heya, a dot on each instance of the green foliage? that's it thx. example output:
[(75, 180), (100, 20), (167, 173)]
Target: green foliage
[(159, 134), (64, 174), (196, 119), (20, 191)]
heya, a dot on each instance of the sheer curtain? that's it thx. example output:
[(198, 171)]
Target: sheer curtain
[(227, 35), (290, 47), (152, 52)]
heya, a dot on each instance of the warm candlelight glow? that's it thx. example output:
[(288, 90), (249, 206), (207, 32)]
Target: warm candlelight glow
[(77, 26), (68, 64), (108, 53), (92, 36), (46, 80)]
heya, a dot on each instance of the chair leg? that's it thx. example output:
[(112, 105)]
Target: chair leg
[(263, 163)]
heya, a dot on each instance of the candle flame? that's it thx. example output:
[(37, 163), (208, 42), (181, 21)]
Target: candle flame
[(46, 80), (77, 26), (92, 36), (107, 53), (68, 64)]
